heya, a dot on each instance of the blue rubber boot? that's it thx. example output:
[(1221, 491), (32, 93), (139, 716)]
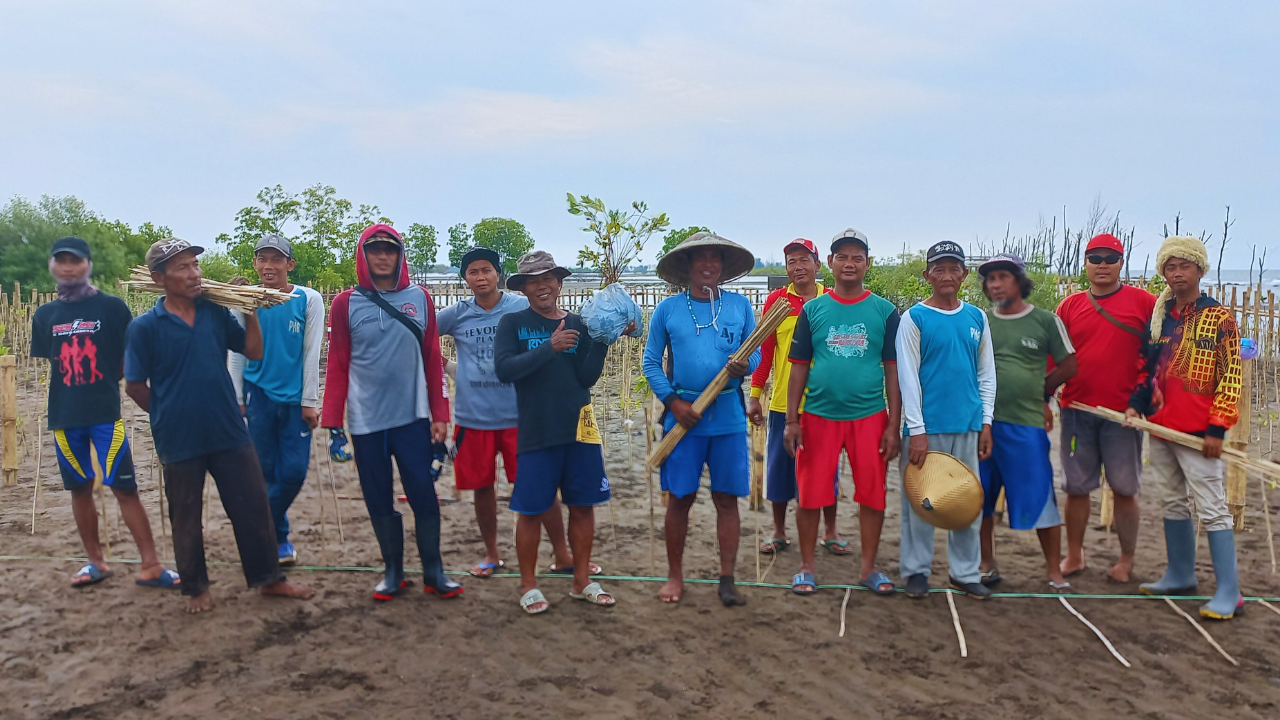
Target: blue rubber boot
[(1227, 600), (434, 580), (1180, 576), (389, 530)]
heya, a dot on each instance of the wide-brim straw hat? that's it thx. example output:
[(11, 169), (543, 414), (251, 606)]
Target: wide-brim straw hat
[(737, 260), (944, 492)]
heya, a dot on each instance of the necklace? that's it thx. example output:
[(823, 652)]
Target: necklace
[(715, 313)]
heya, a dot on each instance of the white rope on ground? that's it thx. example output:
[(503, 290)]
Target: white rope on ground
[(1203, 632), (955, 619), (844, 604), (1096, 631), (1270, 607), (1266, 513)]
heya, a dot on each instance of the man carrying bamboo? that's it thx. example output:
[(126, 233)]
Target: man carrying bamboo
[(844, 377), (1191, 383), (803, 267), (280, 392), (85, 329), (1107, 323), (947, 374), (175, 369), (698, 330)]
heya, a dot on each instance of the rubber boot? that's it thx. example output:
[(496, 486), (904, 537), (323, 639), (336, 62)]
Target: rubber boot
[(1180, 545), (434, 580), (389, 529), (1227, 600)]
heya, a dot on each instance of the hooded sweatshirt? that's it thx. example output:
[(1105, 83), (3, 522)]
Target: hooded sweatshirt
[(377, 373)]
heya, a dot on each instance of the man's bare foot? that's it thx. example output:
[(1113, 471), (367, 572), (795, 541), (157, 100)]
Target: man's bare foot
[(1121, 572), (1056, 578), (84, 578), (150, 572), (670, 593), (284, 589), (1070, 566), (200, 603)]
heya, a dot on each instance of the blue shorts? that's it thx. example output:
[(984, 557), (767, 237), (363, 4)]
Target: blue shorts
[(779, 467), (575, 469), (113, 455), (1019, 463), (725, 455)]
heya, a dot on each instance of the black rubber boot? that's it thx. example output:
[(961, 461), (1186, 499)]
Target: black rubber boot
[(389, 529), (434, 580)]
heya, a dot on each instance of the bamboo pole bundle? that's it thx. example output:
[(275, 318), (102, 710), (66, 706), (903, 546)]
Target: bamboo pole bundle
[(245, 298), (768, 324), (9, 452)]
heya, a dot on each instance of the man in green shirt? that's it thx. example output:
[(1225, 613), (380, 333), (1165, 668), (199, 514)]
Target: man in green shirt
[(842, 344), (1024, 338)]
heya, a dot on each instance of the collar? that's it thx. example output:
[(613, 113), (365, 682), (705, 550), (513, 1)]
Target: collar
[(865, 294), (1202, 302), (1014, 316), (163, 311), (791, 289)]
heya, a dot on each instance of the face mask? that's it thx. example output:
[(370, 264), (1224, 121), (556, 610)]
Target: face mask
[(77, 289)]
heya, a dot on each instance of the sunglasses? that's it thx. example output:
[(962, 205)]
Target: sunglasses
[(1103, 259)]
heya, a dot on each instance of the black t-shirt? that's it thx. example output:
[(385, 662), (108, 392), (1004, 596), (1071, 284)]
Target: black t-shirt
[(84, 342), (551, 387)]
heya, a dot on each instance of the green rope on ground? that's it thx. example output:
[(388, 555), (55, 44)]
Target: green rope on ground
[(642, 578)]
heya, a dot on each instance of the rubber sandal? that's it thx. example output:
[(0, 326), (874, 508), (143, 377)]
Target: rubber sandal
[(168, 580), (592, 594), (533, 597), (1075, 572), (991, 578), (918, 586), (485, 570), (93, 572), (837, 547), (594, 569), (774, 546), (873, 582), (977, 590), (804, 579), (1059, 587)]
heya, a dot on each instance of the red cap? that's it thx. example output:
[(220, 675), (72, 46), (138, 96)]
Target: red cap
[(1105, 241), (800, 243)]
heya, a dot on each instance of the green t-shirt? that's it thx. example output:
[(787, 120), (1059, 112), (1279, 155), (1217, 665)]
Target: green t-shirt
[(1023, 344), (848, 342)]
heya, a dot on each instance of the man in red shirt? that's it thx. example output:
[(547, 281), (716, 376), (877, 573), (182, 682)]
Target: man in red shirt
[(1107, 323)]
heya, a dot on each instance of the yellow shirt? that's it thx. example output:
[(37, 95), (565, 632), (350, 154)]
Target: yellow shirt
[(773, 359)]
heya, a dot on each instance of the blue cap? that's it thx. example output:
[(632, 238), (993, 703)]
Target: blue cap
[(73, 245)]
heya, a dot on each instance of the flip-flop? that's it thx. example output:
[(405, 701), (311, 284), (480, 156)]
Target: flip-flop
[(594, 569), (485, 570), (1059, 587), (837, 547), (991, 578), (93, 572), (593, 593), (873, 582), (774, 546), (804, 579), (168, 580), (534, 597)]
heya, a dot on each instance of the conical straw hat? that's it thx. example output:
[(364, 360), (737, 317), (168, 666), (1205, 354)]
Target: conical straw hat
[(944, 492), (737, 260)]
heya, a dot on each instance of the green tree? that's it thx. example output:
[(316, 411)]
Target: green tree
[(421, 245), (675, 237), (504, 236), (459, 243), (618, 235)]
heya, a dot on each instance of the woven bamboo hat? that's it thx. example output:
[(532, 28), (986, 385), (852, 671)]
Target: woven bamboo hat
[(737, 260), (944, 492)]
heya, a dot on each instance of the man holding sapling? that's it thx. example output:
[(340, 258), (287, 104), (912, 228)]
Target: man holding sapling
[(1107, 323), (844, 378), (1191, 383), (698, 330)]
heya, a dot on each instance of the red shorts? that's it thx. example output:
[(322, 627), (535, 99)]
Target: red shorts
[(475, 466), (818, 459)]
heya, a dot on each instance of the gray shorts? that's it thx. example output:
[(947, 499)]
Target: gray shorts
[(1089, 443)]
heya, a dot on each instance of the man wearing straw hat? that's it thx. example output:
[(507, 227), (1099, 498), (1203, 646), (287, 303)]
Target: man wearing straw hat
[(1192, 383), (548, 355), (947, 375), (175, 369), (697, 330)]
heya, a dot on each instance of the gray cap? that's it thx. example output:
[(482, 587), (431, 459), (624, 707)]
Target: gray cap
[(1004, 261), (275, 242)]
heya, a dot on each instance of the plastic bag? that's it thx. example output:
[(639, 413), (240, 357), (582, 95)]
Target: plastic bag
[(608, 312)]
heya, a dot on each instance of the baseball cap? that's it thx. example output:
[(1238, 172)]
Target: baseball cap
[(381, 232), (73, 245), (800, 243), (1105, 241), (275, 242), (1003, 260), (479, 253), (945, 249), (162, 250), (849, 235)]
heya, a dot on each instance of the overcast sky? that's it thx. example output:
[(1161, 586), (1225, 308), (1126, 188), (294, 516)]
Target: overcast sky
[(912, 122)]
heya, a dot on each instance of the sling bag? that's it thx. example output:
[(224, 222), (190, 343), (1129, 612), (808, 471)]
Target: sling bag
[(377, 299), (1112, 318)]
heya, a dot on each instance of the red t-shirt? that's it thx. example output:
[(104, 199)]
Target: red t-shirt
[(1108, 358)]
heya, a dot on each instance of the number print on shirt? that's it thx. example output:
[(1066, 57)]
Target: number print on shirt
[(847, 340)]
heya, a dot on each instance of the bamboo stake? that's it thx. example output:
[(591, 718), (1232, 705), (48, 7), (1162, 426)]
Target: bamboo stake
[(648, 475), (333, 488), (1270, 607), (324, 533), (9, 417), (1096, 631), (1266, 514), (35, 496), (843, 605), (1203, 632), (768, 324), (955, 620)]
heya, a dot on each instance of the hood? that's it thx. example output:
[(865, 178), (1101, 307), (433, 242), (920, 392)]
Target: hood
[(362, 266)]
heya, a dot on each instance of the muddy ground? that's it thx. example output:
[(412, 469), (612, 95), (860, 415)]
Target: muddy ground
[(119, 651)]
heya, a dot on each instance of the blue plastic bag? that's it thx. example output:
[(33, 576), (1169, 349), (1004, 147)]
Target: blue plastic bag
[(608, 312)]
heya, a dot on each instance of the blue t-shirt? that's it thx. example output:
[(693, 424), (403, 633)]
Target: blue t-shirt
[(946, 369), (193, 404), (697, 355), (289, 370), (481, 401)]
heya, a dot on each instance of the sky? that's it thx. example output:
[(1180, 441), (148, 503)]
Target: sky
[(911, 121)]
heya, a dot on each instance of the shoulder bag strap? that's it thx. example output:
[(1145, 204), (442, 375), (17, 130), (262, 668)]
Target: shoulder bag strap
[(377, 299), (1112, 318)]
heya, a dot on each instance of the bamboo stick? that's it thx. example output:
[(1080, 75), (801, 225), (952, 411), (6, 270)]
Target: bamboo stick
[(9, 416), (955, 620), (35, 496), (1096, 631), (648, 476), (843, 605), (768, 324), (1266, 514), (1203, 632)]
